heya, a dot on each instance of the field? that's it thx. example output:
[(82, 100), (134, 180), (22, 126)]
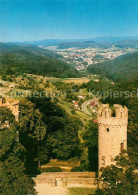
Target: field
[(82, 92), (77, 80), (70, 80)]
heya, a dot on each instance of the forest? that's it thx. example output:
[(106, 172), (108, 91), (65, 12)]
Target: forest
[(16, 60), (124, 67)]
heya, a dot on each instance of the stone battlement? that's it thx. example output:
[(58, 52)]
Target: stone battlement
[(12, 104), (117, 116)]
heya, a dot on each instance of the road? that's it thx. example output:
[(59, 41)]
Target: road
[(84, 107)]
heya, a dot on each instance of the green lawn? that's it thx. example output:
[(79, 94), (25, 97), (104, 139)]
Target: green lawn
[(83, 115), (54, 80), (81, 191), (82, 92), (68, 106), (18, 93)]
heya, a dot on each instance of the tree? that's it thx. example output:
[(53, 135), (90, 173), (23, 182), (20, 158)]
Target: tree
[(6, 115), (90, 137), (32, 132), (61, 140), (12, 158), (65, 142), (120, 178)]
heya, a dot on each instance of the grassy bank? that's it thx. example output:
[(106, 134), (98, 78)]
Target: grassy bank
[(81, 191)]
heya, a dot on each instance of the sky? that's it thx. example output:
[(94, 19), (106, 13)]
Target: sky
[(29, 20)]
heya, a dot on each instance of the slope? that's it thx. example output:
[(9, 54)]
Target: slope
[(29, 59), (124, 67)]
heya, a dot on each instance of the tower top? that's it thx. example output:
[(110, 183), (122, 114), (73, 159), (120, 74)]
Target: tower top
[(116, 116)]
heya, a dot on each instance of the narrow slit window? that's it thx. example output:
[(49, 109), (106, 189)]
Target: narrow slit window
[(121, 147), (107, 129)]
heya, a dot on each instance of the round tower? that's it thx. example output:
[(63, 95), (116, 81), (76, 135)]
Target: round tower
[(112, 133)]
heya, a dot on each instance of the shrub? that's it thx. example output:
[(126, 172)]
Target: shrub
[(73, 112), (51, 169), (77, 169)]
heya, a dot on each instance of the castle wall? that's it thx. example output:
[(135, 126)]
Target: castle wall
[(53, 175), (67, 179), (112, 133)]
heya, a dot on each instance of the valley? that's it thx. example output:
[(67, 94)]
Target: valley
[(58, 108), (81, 58)]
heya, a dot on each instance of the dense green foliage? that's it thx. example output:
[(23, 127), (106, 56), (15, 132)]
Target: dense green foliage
[(121, 68), (61, 140), (24, 48), (12, 158), (45, 131), (77, 169), (51, 169), (98, 88), (32, 132), (90, 137), (19, 61), (120, 178)]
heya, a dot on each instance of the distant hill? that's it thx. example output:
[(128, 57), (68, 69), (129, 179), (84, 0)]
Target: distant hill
[(50, 42), (124, 67), (112, 39), (19, 59), (127, 43), (84, 44), (103, 43), (59, 42), (8, 47)]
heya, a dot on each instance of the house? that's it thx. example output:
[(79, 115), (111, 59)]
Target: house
[(75, 104), (95, 121), (94, 103), (80, 97)]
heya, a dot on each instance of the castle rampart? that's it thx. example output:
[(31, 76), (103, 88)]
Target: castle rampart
[(112, 133)]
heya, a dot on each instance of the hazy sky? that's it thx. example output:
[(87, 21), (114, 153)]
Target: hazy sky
[(23, 20)]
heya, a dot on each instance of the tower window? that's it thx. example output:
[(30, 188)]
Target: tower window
[(121, 147), (107, 129)]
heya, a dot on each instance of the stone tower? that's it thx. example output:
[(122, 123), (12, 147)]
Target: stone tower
[(112, 133)]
